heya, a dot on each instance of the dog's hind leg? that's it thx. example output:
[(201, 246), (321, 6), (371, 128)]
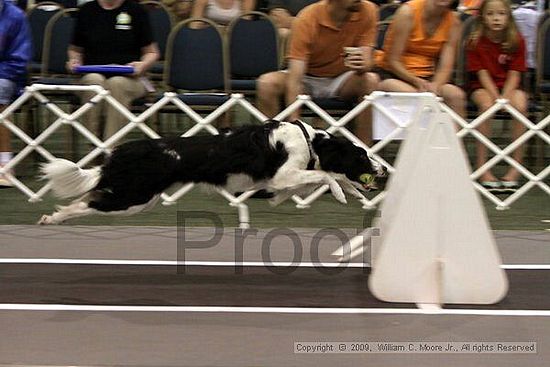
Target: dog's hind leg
[(74, 210)]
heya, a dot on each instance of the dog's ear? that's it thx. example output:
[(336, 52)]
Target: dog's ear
[(324, 142)]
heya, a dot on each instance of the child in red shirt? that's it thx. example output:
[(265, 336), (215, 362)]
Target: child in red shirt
[(496, 58)]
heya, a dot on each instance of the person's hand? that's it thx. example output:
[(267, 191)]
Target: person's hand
[(139, 67), (72, 64), (421, 85), (281, 17), (355, 59), (433, 88)]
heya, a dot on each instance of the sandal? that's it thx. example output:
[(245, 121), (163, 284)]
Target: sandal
[(509, 186), (492, 186)]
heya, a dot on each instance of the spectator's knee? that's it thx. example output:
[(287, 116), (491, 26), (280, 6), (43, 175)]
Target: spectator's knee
[(115, 83), (520, 101), (93, 79), (454, 95), (372, 80), (267, 84)]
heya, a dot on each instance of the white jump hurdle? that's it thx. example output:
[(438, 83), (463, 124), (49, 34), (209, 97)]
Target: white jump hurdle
[(377, 100)]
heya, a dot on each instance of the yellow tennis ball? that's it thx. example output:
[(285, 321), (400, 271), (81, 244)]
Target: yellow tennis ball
[(366, 178)]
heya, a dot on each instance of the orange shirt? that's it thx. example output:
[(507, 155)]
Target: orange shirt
[(421, 52), (318, 41)]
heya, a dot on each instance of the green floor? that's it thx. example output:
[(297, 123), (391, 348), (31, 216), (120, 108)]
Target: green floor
[(526, 213)]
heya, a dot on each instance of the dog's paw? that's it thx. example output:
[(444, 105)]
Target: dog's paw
[(45, 219)]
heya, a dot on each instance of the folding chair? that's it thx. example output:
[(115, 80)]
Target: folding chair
[(58, 36), (253, 50), (161, 21), (38, 17), (196, 66), (386, 11)]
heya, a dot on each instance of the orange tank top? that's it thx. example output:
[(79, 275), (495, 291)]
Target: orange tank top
[(421, 52)]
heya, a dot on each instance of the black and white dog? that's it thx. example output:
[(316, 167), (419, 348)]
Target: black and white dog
[(280, 157)]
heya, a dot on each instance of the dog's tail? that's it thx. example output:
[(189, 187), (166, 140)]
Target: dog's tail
[(68, 180)]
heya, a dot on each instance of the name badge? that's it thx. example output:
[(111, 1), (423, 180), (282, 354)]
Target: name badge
[(123, 21)]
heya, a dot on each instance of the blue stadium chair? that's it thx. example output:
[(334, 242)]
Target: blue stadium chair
[(161, 24), (58, 36), (386, 11), (253, 50), (38, 17), (196, 66), (381, 30)]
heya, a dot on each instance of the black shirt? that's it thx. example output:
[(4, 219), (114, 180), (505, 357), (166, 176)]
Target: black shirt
[(112, 36)]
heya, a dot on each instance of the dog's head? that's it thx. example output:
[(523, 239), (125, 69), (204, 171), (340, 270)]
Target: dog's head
[(339, 155)]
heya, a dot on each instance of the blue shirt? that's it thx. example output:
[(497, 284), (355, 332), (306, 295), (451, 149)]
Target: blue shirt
[(15, 44)]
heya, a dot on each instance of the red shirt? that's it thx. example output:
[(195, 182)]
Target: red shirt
[(488, 55)]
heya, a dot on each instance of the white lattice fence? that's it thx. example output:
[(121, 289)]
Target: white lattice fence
[(377, 100)]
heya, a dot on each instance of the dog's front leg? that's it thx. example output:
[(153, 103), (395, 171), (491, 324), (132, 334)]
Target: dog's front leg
[(295, 178), (348, 187)]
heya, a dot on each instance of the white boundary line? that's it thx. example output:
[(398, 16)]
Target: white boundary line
[(279, 310), (180, 263), (223, 263)]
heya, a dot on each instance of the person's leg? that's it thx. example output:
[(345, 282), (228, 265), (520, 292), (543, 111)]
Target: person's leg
[(124, 90), (483, 101), (270, 90), (5, 144), (7, 91), (455, 98), (5, 151), (519, 100), (395, 85), (91, 119), (356, 87)]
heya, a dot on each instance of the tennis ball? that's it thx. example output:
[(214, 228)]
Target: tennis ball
[(366, 178)]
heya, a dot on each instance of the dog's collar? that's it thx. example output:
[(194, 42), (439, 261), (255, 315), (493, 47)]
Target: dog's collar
[(311, 163)]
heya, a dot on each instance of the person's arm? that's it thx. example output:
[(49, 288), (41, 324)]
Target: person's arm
[(281, 17), (402, 27), (364, 62), (513, 80), (447, 57), (517, 65), (149, 55), (18, 51), (294, 85), (488, 83), (199, 7), (248, 5)]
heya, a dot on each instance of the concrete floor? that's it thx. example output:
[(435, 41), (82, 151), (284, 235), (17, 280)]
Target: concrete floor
[(250, 337)]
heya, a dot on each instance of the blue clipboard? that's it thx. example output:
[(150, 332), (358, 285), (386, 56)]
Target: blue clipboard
[(105, 69)]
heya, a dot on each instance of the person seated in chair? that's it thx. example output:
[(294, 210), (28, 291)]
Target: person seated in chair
[(221, 12), (113, 32), (283, 13), (15, 53), (419, 51), (317, 64)]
